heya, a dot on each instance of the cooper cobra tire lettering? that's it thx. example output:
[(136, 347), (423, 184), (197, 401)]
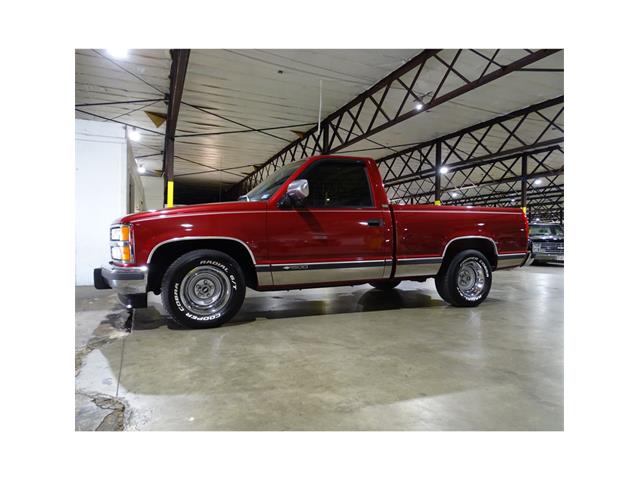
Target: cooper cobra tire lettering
[(176, 297)]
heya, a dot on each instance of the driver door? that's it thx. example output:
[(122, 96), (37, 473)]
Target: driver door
[(339, 234)]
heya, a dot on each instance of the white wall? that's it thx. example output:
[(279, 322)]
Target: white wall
[(101, 192), (136, 201)]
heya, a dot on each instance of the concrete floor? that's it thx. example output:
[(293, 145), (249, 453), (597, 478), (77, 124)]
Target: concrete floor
[(330, 359)]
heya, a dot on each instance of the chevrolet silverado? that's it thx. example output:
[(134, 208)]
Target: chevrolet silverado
[(323, 221)]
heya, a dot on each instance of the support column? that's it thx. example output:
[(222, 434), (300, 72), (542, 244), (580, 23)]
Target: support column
[(179, 61), (438, 173), (523, 183)]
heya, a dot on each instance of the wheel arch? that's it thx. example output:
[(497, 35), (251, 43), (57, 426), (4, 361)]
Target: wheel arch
[(486, 245), (166, 252)]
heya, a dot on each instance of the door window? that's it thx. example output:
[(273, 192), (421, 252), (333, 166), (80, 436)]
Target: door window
[(338, 184)]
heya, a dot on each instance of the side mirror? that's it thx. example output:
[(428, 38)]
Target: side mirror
[(297, 191)]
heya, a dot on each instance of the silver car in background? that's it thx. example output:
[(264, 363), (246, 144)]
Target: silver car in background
[(546, 242)]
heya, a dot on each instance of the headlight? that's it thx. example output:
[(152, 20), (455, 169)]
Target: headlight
[(121, 249), (120, 233)]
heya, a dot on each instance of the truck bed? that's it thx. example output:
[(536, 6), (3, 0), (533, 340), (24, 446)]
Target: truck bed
[(423, 233)]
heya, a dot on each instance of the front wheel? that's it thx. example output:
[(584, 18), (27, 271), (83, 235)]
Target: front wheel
[(466, 280), (203, 288)]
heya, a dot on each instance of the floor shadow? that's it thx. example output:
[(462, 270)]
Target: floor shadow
[(300, 305), (343, 302), (151, 318)]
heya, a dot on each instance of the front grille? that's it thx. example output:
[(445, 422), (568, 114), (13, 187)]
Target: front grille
[(552, 247)]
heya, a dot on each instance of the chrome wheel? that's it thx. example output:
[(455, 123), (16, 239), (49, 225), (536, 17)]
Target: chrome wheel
[(471, 279), (205, 290)]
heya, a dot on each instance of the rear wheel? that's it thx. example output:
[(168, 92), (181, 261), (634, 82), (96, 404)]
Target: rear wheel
[(385, 284), (466, 281), (203, 288), (444, 294)]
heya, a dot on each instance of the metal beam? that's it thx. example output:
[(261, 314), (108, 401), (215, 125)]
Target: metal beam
[(353, 122), (179, 62), (523, 183), (412, 160), (510, 195), (467, 87), (142, 129), (461, 174), (122, 102), (542, 147), (247, 130), (493, 182), (438, 176)]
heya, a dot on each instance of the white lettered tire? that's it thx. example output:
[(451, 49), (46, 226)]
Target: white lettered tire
[(466, 281), (203, 289)]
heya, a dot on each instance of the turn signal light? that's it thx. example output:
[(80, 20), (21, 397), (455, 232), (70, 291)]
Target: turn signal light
[(126, 253)]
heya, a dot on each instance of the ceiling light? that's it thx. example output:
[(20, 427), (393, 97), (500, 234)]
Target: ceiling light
[(419, 106), (513, 200), (537, 181), (134, 135), (141, 169), (454, 194), (118, 52), (444, 169)]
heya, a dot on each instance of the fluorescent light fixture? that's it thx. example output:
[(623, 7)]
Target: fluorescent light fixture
[(444, 169), (118, 52), (134, 135), (537, 181), (141, 169)]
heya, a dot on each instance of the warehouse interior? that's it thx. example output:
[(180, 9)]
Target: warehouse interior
[(163, 128)]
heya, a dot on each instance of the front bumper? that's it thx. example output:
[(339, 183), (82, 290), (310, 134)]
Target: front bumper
[(124, 280), (548, 257)]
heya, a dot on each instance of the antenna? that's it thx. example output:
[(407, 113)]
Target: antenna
[(320, 109)]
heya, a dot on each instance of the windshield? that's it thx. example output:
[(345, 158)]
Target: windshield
[(546, 230), (264, 190)]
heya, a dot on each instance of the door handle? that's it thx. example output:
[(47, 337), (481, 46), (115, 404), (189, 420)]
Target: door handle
[(375, 222)]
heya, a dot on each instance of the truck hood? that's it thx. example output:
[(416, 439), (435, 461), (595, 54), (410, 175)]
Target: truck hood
[(238, 207)]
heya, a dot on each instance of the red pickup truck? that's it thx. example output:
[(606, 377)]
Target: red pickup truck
[(324, 221)]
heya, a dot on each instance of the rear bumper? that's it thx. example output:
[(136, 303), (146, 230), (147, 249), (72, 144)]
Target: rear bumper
[(124, 280)]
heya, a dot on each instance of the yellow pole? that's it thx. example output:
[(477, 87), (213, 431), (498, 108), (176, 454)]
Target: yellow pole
[(524, 209), (170, 193), (437, 202)]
